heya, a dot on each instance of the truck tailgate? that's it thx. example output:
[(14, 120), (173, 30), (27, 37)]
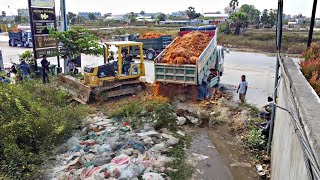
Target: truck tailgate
[(177, 74)]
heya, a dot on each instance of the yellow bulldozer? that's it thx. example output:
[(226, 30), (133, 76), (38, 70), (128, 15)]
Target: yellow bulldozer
[(112, 79)]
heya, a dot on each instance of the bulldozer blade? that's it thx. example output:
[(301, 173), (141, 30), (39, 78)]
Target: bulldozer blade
[(79, 91)]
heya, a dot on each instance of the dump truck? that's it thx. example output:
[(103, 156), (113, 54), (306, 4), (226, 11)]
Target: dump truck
[(204, 74), (20, 37), (151, 46), (109, 80)]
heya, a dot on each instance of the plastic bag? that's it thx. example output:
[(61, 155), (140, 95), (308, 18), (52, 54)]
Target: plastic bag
[(152, 176)]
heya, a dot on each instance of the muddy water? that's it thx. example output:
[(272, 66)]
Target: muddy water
[(235, 156), (228, 159)]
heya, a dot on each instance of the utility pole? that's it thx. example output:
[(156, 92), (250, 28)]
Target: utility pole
[(64, 27), (313, 16), (64, 19)]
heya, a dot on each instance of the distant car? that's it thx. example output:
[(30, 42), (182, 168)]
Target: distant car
[(210, 29)]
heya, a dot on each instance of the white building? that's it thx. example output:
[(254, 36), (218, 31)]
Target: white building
[(213, 18), (229, 10), (23, 12), (117, 18)]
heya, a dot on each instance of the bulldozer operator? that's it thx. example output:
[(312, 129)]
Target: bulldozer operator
[(128, 59)]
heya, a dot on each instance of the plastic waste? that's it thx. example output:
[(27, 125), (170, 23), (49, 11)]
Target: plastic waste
[(121, 159), (148, 127), (194, 120), (136, 145), (73, 141), (132, 170), (181, 121), (159, 147), (101, 160), (102, 137), (104, 148), (75, 149), (172, 141), (152, 176)]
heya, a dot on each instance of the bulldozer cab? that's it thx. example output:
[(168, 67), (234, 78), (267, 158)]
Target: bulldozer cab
[(125, 66)]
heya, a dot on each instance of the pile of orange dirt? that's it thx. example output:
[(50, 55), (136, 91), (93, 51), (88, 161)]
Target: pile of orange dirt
[(150, 35), (186, 49)]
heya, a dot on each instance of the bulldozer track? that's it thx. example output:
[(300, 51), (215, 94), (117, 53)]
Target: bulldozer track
[(116, 89)]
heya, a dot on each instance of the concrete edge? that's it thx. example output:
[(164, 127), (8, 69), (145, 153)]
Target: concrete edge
[(308, 103)]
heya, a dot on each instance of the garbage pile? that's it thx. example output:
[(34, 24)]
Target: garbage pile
[(186, 49), (150, 35), (111, 149)]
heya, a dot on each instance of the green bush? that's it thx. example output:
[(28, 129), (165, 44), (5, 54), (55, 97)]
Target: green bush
[(34, 119), (156, 111), (255, 139)]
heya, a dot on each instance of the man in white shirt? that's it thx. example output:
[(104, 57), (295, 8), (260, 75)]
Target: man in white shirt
[(242, 88)]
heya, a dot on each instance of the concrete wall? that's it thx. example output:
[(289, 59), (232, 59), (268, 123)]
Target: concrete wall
[(288, 160)]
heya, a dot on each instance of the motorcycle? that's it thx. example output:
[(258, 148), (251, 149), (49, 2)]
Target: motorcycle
[(265, 114)]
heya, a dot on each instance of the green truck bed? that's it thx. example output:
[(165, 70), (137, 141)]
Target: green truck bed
[(185, 73)]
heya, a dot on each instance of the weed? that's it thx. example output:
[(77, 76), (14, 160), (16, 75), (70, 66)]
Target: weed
[(183, 169), (156, 111), (255, 139), (34, 119)]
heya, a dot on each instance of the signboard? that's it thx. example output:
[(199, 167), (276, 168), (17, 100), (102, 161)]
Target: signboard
[(50, 52), (45, 42), (42, 3), (42, 27), (43, 14)]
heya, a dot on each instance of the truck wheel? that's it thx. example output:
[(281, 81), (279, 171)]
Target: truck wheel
[(150, 54)]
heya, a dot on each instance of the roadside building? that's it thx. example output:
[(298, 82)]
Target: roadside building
[(85, 15), (118, 17), (180, 22), (213, 18), (229, 10), (23, 12)]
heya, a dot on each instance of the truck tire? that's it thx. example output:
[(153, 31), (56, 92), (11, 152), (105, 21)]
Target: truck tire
[(150, 54)]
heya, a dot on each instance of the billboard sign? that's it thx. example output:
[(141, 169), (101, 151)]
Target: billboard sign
[(42, 3)]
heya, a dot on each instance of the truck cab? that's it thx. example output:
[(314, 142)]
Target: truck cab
[(20, 37)]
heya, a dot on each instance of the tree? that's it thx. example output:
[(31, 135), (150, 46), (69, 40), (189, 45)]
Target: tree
[(132, 14), (91, 16), (272, 19), (225, 28), (191, 12), (71, 17), (17, 19), (80, 19), (233, 4), (161, 17), (3, 14), (239, 20), (252, 12), (78, 41), (265, 16)]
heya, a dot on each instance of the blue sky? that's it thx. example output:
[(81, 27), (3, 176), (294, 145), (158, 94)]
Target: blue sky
[(167, 6)]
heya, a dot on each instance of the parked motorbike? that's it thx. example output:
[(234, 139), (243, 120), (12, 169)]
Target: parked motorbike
[(265, 115)]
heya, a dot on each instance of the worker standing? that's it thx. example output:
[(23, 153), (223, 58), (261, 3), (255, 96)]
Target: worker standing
[(242, 89), (25, 68), (71, 66), (45, 68)]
